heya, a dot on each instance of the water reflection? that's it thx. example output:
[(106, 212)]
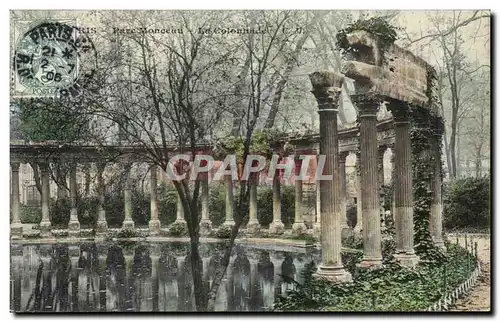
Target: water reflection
[(145, 278)]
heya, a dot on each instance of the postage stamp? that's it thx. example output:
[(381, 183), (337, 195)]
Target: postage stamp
[(52, 59)]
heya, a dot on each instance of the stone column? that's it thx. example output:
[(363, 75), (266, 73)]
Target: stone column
[(154, 221), (276, 226), (45, 223), (403, 191), (317, 223), (16, 228), (368, 105), (128, 222), (102, 226), (380, 164), (298, 227), (436, 220), (359, 205), (327, 88), (381, 181), (343, 193), (253, 225), (74, 224), (205, 223), (180, 211), (228, 185)]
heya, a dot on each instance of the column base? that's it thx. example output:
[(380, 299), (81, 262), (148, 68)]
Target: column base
[(128, 224), (408, 260), (253, 227), (317, 230), (16, 231), (154, 227), (299, 228), (230, 223), (276, 228), (346, 231), (370, 263), (332, 274), (439, 243), (101, 228), (205, 227), (74, 229), (45, 227)]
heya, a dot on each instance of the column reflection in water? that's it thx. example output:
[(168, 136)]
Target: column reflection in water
[(16, 264), (103, 277), (128, 254), (168, 292), (288, 270), (241, 283), (142, 279), (154, 254), (60, 295), (93, 278), (266, 270), (117, 293), (256, 300)]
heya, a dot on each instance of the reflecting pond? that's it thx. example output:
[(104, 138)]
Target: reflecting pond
[(146, 277)]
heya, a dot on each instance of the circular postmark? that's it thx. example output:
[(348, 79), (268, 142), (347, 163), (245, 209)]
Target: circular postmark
[(54, 59)]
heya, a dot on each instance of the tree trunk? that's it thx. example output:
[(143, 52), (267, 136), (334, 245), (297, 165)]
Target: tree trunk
[(453, 170), (36, 176)]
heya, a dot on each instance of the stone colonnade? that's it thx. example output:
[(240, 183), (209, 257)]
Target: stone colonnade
[(326, 89)]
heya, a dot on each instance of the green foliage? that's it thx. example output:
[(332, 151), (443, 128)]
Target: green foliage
[(265, 206), (354, 241), (87, 211), (390, 288), (223, 232), (467, 203), (167, 204), (43, 119), (421, 135), (30, 214), (310, 240), (259, 144), (378, 26), (59, 213), (178, 229), (126, 233)]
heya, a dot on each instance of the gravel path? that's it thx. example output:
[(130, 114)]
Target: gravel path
[(479, 298)]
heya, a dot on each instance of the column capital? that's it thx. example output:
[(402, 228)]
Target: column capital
[(343, 155), (367, 104), (44, 166), (400, 110), (327, 87), (381, 151), (15, 166)]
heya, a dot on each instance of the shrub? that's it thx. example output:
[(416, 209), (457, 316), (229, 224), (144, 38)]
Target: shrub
[(87, 211), (354, 241), (177, 229), (223, 232), (126, 233), (351, 214), (265, 206), (59, 212), (30, 214), (467, 203), (167, 204)]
